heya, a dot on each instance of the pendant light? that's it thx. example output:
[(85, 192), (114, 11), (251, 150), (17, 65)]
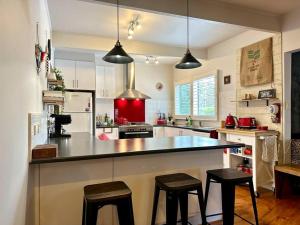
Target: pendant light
[(188, 61), (117, 54)]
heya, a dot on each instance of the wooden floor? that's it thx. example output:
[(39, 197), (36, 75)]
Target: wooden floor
[(270, 210)]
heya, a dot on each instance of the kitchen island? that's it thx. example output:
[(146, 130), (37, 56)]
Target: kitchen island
[(82, 159)]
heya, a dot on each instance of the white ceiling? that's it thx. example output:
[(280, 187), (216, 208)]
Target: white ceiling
[(273, 6), (98, 19)]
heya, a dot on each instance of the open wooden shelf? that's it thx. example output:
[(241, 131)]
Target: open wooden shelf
[(256, 100), (55, 82), (53, 100)]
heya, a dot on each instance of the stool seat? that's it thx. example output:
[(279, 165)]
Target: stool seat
[(106, 191), (229, 175), (177, 182), (97, 196)]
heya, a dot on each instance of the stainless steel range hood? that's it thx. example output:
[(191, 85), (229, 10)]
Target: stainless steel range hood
[(129, 81)]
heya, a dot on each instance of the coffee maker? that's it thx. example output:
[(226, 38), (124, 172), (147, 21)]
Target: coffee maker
[(60, 120)]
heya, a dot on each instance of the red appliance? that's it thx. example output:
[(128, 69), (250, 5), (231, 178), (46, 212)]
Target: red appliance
[(230, 121), (247, 122)]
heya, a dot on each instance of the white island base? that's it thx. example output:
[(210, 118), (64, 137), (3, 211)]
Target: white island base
[(58, 187)]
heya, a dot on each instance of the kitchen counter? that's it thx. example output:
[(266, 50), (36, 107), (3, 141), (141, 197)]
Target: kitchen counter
[(83, 146), (248, 132), (83, 159), (199, 129)]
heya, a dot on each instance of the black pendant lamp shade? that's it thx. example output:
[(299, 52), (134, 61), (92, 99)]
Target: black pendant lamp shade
[(188, 61), (118, 54)]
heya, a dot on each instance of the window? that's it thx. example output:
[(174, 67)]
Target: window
[(205, 97), (198, 98), (183, 99)]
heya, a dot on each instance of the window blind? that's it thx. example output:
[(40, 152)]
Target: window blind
[(204, 97), (183, 99)]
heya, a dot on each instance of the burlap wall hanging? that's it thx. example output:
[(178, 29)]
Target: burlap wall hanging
[(257, 63)]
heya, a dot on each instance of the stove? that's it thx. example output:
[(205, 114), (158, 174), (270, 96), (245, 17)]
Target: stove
[(135, 130)]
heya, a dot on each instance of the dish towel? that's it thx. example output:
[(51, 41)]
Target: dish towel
[(270, 149)]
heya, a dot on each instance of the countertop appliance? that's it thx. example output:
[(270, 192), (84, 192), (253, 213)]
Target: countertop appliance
[(231, 121), (247, 123), (60, 120), (79, 106), (135, 130)]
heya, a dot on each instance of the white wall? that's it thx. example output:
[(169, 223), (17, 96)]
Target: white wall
[(147, 76), (21, 91), (223, 57)]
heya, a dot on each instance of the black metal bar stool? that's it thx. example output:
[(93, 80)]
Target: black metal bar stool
[(112, 193), (228, 178), (177, 187)]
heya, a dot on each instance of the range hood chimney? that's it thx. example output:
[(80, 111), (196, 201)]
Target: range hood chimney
[(129, 81)]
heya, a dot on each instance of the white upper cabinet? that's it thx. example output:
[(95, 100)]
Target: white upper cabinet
[(77, 75), (68, 69), (105, 82), (85, 75)]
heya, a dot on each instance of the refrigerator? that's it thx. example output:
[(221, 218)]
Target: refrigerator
[(79, 106)]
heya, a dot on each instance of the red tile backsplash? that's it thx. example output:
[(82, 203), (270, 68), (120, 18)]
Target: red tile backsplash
[(130, 110)]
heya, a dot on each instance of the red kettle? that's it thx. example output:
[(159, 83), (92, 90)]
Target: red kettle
[(231, 121)]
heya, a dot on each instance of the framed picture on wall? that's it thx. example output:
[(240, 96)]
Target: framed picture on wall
[(227, 79), (270, 93)]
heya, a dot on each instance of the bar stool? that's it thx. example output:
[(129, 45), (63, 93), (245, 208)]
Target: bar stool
[(177, 187), (228, 178), (112, 193)]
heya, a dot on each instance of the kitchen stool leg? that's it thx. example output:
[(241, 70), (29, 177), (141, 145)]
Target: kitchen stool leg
[(206, 192), (91, 214), (83, 211), (253, 201), (125, 212), (183, 202), (171, 208), (155, 203), (228, 199), (201, 205)]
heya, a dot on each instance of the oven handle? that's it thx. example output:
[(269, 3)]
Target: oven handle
[(142, 132)]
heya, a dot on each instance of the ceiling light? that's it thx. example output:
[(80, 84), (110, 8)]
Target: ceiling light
[(147, 60), (131, 31), (117, 54), (156, 61), (188, 61), (130, 36)]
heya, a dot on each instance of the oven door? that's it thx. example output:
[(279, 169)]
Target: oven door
[(135, 134)]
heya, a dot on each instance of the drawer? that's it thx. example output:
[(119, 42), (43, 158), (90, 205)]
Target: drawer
[(241, 139)]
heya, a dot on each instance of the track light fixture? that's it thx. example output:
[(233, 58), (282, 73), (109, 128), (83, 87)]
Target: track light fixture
[(133, 25)]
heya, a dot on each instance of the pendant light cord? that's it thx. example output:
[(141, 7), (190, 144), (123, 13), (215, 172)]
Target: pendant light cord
[(188, 24), (118, 19)]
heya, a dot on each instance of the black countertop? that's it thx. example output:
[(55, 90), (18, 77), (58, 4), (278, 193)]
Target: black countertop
[(83, 146)]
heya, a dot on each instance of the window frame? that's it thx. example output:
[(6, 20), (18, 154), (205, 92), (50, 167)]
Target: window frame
[(191, 94), (191, 81)]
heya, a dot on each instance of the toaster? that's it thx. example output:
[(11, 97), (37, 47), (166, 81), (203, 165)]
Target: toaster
[(247, 122)]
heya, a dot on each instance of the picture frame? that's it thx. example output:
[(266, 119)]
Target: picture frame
[(270, 93), (227, 79)]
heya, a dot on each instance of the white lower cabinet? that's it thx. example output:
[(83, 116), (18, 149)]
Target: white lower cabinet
[(111, 133), (174, 131), (158, 132), (201, 134)]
